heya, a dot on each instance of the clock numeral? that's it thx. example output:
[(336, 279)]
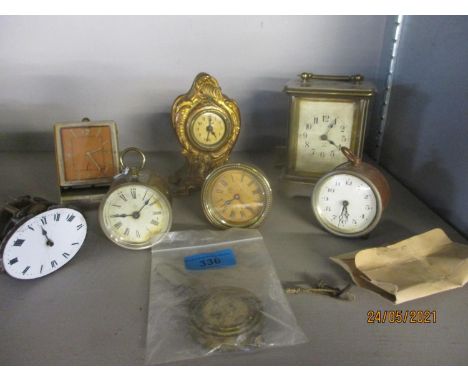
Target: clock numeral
[(123, 197), (53, 264), (154, 222), (328, 209), (118, 225), (79, 226), (232, 214), (224, 183), (349, 182), (322, 154), (66, 255), (116, 205), (31, 228), (330, 190), (315, 120), (256, 191), (70, 217), (40, 271), (308, 126), (56, 217), (354, 222), (325, 118), (44, 220), (334, 217), (13, 261), (218, 191), (366, 196), (363, 216), (137, 233), (368, 208), (332, 153), (307, 144), (18, 242), (157, 213), (242, 213), (25, 270), (304, 135), (75, 243), (342, 129), (334, 122), (127, 231), (343, 138), (133, 193)]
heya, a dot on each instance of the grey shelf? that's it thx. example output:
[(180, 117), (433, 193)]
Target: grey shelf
[(94, 310)]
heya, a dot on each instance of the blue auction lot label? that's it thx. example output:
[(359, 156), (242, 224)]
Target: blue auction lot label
[(211, 260)]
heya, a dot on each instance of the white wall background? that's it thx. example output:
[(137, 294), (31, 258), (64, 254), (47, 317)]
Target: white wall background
[(130, 69)]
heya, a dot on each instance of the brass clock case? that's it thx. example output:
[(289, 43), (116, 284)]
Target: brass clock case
[(205, 96), (211, 211)]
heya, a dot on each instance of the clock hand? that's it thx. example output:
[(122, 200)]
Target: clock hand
[(228, 202), (120, 215), (144, 205), (344, 213), (49, 242), (93, 160)]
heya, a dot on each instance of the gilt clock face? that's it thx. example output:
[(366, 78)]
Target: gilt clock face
[(44, 243), (87, 153), (236, 195), (208, 130), (134, 215)]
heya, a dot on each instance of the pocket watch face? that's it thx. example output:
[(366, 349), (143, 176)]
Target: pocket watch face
[(44, 243), (87, 153), (345, 204), (236, 195), (135, 216), (323, 127), (208, 129)]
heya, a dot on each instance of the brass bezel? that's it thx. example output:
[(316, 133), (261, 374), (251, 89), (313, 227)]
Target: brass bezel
[(60, 158), (330, 228), (209, 211), (117, 240), (208, 109)]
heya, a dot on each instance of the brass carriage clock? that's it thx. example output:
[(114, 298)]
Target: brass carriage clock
[(326, 113), (207, 124)]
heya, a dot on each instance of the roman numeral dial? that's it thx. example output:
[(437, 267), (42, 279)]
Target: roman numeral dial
[(44, 243), (134, 215), (236, 195)]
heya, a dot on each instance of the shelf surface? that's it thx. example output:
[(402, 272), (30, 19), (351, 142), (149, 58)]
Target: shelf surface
[(94, 310)]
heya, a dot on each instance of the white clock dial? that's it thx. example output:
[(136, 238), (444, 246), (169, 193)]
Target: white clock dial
[(44, 243), (345, 203), (324, 127), (134, 215)]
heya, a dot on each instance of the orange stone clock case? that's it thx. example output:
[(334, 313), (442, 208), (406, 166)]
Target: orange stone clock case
[(86, 153)]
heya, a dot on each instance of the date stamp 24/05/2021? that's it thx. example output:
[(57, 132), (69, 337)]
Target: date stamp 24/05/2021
[(402, 316)]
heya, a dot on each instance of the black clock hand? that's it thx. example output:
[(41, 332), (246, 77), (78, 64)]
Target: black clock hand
[(120, 215), (49, 242), (144, 205), (343, 218)]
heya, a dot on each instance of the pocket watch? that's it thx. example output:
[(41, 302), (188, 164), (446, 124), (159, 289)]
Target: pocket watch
[(207, 124), (38, 237), (350, 200), (326, 113), (236, 195), (136, 212), (87, 157), (226, 318)]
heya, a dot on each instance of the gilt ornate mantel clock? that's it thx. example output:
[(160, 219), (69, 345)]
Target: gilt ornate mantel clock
[(207, 125)]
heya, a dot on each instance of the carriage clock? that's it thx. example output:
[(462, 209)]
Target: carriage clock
[(207, 125), (87, 157), (326, 113)]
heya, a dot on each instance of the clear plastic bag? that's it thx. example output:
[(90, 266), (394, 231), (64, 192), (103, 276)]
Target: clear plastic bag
[(215, 291)]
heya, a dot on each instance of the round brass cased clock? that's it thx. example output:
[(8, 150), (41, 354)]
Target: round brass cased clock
[(207, 124)]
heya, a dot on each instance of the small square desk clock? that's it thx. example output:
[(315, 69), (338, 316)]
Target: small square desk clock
[(87, 157), (326, 113)]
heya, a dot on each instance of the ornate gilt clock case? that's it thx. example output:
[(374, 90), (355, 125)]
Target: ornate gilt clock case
[(207, 125)]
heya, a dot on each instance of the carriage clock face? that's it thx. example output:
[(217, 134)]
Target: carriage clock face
[(346, 204), (87, 153), (135, 215), (44, 243), (236, 195), (208, 130), (323, 128)]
